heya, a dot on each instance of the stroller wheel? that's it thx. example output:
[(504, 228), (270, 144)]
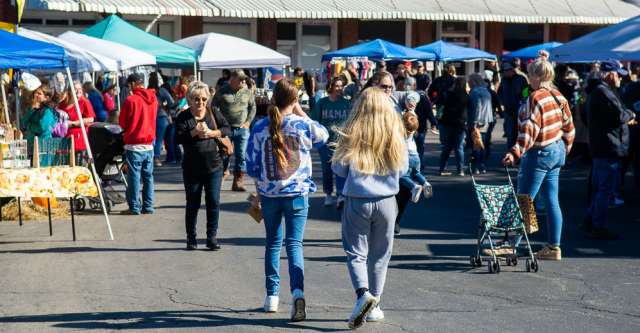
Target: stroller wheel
[(472, 261), (79, 204), (478, 261), (109, 205), (514, 260), (496, 267), (534, 265)]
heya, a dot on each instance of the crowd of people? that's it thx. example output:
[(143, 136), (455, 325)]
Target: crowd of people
[(371, 140)]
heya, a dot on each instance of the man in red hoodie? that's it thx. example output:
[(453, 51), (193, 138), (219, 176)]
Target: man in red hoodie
[(138, 120)]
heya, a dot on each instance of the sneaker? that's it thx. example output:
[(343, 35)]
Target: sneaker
[(415, 193), (616, 202), (298, 311), (427, 190), (340, 202), (192, 246), (375, 315), (445, 173), (213, 245), (156, 162), (329, 200), (435, 131), (129, 212), (602, 234), (271, 304), (361, 310), (461, 173), (549, 253), (500, 251)]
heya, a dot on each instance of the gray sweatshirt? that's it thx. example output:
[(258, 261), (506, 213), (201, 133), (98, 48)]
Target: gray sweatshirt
[(358, 185)]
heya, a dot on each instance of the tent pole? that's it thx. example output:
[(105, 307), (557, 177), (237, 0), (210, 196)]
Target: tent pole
[(93, 167), (118, 90), (195, 71), (17, 94), (4, 101)]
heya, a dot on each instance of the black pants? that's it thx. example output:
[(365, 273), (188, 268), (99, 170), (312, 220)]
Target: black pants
[(402, 199), (193, 189)]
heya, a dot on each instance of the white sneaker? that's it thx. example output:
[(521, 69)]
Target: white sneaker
[(361, 310), (329, 200), (298, 306), (375, 315), (415, 193), (340, 202), (271, 303), (427, 190)]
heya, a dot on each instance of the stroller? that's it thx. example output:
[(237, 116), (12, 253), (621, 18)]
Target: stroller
[(107, 145), (501, 214)]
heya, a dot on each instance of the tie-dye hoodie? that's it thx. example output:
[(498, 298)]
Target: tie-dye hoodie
[(300, 135)]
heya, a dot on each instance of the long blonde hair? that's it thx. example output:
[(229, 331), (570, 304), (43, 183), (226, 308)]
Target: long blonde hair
[(285, 93), (372, 140)]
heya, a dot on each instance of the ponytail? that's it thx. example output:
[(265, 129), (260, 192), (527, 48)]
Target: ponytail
[(277, 140)]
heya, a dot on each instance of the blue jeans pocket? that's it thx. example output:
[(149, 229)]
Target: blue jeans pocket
[(300, 203)]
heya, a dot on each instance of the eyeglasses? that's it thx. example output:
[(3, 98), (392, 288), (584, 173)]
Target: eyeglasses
[(201, 99), (385, 87)]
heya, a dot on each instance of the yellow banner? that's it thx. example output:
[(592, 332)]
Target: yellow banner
[(20, 4), (7, 26)]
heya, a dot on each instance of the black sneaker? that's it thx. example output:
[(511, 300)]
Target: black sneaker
[(396, 230), (602, 234), (213, 245), (587, 224), (192, 246)]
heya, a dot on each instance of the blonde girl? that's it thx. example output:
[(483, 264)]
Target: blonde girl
[(371, 155)]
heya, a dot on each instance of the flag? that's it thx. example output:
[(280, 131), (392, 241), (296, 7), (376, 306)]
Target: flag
[(20, 5)]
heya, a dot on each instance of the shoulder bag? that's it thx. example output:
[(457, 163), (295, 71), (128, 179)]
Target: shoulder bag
[(225, 146)]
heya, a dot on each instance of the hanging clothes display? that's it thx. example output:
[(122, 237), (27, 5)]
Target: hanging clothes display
[(362, 65)]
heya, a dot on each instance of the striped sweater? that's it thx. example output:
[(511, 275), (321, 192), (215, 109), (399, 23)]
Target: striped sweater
[(543, 122)]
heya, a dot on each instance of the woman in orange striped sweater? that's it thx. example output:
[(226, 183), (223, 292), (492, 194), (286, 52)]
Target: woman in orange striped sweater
[(545, 136)]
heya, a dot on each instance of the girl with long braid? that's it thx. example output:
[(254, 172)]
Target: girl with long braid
[(279, 159)]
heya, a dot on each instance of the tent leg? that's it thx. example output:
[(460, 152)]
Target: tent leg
[(4, 102), (73, 220), (17, 94), (118, 89), (49, 211), (96, 179), (19, 211)]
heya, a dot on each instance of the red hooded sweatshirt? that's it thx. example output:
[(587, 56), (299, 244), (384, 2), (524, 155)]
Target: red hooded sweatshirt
[(138, 117)]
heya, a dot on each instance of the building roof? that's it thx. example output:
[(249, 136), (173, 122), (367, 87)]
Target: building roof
[(509, 11)]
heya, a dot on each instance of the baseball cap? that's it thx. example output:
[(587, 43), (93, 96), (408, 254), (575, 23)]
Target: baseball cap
[(419, 64), (506, 66), (613, 65), (135, 78)]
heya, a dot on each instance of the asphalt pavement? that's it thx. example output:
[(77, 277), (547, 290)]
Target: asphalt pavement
[(145, 281)]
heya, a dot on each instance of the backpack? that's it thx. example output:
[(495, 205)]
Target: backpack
[(61, 127)]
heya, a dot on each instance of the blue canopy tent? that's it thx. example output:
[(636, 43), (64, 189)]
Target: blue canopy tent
[(451, 52), (531, 52), (19, 52), (379, 49), (620, 41)]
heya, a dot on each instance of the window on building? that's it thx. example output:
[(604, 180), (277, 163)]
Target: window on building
[(83, 22), (286, 31), (316, 40), (392, 31), (577, 31), (517, 36)]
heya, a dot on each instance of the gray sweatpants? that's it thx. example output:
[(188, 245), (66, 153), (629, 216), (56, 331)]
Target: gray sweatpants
[(367, 238)]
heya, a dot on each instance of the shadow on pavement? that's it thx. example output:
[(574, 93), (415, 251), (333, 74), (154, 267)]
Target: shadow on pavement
[(150, 320)]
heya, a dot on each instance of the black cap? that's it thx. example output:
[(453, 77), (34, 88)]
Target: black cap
[(612, 65), (135, 78)]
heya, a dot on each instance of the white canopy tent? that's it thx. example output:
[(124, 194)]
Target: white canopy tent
[(80, 59), (620, 42), (224, 51), (126, 56)]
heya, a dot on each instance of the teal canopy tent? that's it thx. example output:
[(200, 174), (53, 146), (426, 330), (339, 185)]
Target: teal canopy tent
[(118, 30)]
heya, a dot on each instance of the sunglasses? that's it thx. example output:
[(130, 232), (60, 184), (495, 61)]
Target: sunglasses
[(386, 87), (201, 99)]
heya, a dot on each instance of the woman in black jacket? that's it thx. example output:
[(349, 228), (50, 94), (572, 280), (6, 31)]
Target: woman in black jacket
[(453, 125), (198, 129)]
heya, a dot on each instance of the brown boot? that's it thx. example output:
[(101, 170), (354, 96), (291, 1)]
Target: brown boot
[(238, 182)]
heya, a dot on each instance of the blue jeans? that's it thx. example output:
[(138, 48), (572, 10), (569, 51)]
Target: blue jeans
[(140, 166), (294, 210), (240, 139), (419, 137), (161, 127), (539, 173), (511, 128), (453, 139), (604, 177), (487, 140), (326, 153), (174, 154), (479, 155), (413, 176), (193, 189)]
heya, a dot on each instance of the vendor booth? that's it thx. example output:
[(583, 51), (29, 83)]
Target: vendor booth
[(379, 49), (531, 52), (448, 52)]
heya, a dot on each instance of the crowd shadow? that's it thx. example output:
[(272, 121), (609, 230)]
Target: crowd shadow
[(157, 320)]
